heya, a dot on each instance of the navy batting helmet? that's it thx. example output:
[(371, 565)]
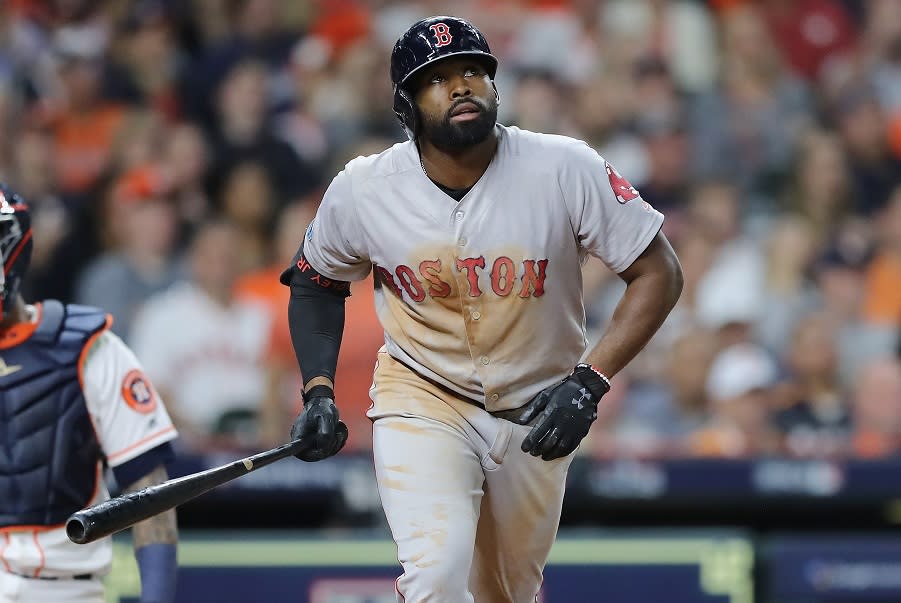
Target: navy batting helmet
[(15, 246), (427, 41)]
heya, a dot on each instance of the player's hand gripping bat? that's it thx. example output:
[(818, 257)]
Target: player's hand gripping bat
[(126, 510)]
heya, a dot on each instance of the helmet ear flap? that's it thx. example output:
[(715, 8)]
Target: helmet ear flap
[(406, 112)]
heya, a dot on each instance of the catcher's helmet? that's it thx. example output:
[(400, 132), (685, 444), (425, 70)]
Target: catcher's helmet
[(15, 246), (427, 41)]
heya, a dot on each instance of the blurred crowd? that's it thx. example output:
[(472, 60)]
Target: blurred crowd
[(174, 152)]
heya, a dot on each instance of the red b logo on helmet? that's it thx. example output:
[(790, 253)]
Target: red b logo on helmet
[(442, 34)]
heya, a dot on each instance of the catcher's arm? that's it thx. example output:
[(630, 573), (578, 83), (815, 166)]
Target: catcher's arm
[(155, 541)]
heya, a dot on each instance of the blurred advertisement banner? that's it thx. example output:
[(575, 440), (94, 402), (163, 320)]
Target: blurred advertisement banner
[(702, 567)]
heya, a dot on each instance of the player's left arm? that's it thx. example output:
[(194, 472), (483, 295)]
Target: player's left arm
[(155, 541), (653, 285), (565, 411), (135, 433), (613, 223)]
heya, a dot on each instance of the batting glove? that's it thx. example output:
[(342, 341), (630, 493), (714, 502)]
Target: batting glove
[(319, 425), (567, 411)]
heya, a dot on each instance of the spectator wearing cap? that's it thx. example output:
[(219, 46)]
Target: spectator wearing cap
[(141, 260), (839, 276), (663, 132), (740, 390), (817, 420)]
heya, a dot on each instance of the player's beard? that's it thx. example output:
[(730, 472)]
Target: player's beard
[(450, 137)]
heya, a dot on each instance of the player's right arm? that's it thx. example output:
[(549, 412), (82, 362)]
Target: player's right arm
[(319, 278)]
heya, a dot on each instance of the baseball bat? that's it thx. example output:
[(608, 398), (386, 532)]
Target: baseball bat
[(128, 509)]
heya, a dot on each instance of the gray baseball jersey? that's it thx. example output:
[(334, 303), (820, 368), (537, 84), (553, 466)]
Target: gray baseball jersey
[(484, 295)]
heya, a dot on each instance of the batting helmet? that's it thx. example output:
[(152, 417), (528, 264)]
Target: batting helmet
[(15, 246), (427, 41)]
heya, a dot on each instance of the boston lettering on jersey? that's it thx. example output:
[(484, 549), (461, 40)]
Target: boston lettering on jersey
[(504, 277)]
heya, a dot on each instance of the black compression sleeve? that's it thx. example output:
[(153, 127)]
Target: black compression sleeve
[(315, 318), (316, 321)]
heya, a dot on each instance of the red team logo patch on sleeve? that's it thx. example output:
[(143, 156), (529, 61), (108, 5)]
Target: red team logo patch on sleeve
[(623, 190), (138, 393), (442, 34)]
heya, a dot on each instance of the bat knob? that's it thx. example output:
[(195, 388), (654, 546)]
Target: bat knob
[(77, 529)]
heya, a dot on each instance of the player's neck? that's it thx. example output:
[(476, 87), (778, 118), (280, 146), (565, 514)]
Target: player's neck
[(457, 170)]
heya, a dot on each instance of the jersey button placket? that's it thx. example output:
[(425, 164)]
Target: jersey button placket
[(474, 315)]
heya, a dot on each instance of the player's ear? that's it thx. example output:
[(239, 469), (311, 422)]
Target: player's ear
[(497, 96)]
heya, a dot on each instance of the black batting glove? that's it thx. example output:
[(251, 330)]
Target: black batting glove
[(567, 411), (319, 425)]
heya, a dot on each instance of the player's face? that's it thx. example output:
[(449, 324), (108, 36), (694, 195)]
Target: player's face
[(457, 102)]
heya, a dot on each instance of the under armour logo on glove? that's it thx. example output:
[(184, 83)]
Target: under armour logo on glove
[(577, 402), (566, 412)]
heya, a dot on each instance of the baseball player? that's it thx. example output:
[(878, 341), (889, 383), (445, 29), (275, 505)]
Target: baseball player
[(73, 400), (483, 390)]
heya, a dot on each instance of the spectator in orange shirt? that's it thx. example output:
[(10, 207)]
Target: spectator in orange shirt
[(88, 126), (882, 296), (363, 335)]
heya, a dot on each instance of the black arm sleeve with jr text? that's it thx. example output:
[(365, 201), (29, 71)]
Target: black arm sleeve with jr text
[(315, 318)]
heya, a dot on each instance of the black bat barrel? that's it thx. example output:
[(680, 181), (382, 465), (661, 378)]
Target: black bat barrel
[(128, 509)]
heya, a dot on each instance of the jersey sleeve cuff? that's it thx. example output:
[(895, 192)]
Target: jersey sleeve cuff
[(350, 273), (122, 456), (650, 233), (131, 471)]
